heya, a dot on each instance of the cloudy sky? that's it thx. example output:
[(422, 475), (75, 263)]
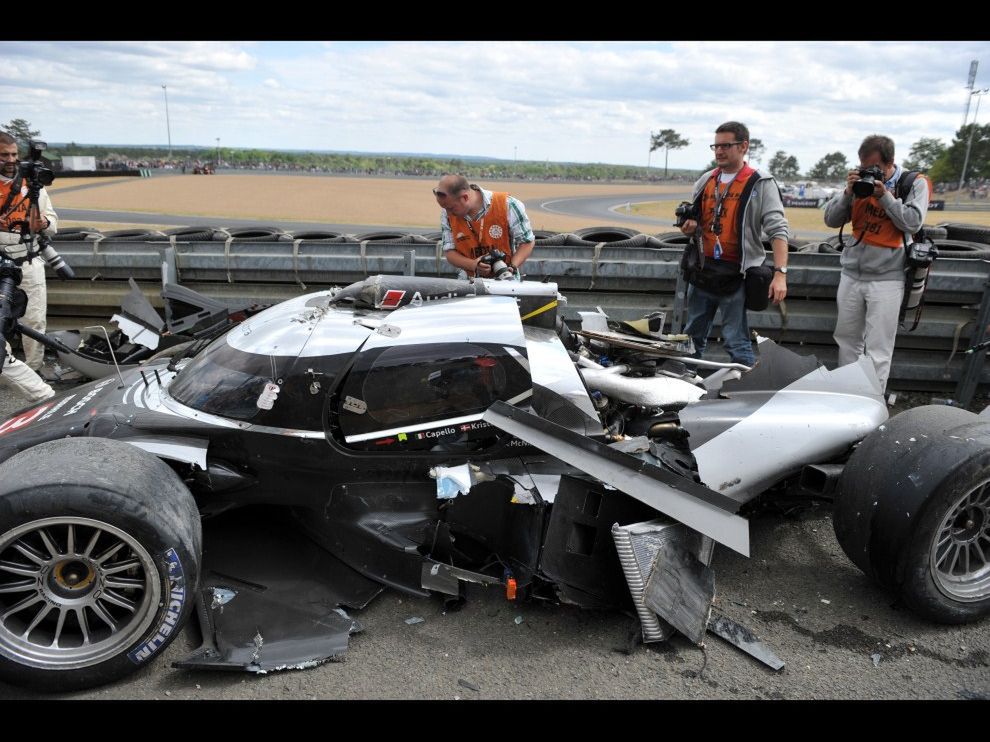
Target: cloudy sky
[(562, 101)]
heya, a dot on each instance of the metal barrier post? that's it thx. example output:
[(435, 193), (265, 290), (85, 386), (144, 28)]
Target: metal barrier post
[(678, 319), (410, 268), (973, 365)]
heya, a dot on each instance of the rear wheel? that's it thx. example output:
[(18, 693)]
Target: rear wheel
[(913, 511), (98, 562)]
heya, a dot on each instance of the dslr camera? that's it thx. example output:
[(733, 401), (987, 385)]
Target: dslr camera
[(33, 170), (686, 211), (496, 260), (863, 188)]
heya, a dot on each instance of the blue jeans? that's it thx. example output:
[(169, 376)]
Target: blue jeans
[(701, 307)]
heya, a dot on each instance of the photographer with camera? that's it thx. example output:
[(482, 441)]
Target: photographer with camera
[(15, 212), (731, 208), (885, 215), (474, 222)]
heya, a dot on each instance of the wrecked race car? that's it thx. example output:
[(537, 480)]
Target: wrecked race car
[(418, 434)]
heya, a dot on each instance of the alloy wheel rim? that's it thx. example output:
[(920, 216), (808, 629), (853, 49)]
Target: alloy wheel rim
[(960, 553), (74, 592)]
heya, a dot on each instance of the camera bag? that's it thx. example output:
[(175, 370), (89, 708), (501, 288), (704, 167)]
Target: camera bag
[(758, 280)]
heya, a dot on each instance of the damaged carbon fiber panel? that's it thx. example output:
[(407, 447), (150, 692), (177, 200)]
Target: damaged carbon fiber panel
[(270, 599), (695, 505)]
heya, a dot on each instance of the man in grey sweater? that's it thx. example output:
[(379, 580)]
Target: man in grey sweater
[(738, 205), (871, 286)]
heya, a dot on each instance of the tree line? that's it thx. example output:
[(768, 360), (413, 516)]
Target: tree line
[(943, 163)]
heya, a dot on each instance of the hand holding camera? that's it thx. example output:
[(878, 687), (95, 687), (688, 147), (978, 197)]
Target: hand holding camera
[(865, 182), (687, 217)]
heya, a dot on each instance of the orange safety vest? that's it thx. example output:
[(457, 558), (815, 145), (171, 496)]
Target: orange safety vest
[(870, 219), (17, 208), (474, 239), (730, 238)]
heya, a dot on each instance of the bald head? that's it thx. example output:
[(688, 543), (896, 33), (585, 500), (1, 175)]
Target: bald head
[(453, 184)]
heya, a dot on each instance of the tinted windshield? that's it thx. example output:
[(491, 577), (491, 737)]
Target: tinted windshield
[(227, 382)]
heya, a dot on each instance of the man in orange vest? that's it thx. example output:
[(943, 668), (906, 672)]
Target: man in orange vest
[(737, 204), (475, 221), (14, 210), (871, 286)]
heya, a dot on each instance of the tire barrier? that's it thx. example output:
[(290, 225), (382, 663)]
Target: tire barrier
[(539, 234), (630, 278), (966, 232), (188, 234), (940, 233), (383, 236)]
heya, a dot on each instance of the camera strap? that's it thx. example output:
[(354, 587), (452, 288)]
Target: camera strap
[(15, 188)]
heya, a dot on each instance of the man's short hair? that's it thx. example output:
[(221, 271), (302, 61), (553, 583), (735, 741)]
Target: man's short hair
[(5, 138), (877, 143), (739, 131), (456, 184)]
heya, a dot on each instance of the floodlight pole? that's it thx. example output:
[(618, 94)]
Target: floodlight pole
[(168, 126), (969, 143)]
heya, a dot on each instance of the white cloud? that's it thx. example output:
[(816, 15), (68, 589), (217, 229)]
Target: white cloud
[(556, 100)]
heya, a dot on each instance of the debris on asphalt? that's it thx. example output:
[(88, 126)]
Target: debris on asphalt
[(468, 684), (876, 659), (518, 620), (413, 620), (826, 602)]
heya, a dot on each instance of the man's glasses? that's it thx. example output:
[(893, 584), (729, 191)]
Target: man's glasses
[(724, 145)]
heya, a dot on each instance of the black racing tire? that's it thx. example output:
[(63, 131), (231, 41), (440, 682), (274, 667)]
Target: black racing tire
[(316, 235), (96, 528), (936, 233), (966, 232), (961, 249), (674, 238), (133, 235), (74, 234), (606, 234), (894, 498), (382, 236), (553, 240), (253, 234), (188, 234)]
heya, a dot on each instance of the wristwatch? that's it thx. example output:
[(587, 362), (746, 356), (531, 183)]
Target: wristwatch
[(782, 270)]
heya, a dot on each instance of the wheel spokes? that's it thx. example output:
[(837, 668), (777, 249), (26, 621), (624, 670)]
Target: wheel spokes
[(59, 626), (102, 614), (119, 600), (17, 607), (18, 587), (83, 625), (49, 544), (70, 540), (38, 618), (31, 553), (121, 566), (124, 583), (92, 542), (19, 569), (109, 552)]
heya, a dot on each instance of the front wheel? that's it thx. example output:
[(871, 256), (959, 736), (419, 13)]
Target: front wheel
[(99, 561)]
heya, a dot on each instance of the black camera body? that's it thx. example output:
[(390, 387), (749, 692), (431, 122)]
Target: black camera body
[(686, 211), (33, 170), (496, 260), (863, 188)]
